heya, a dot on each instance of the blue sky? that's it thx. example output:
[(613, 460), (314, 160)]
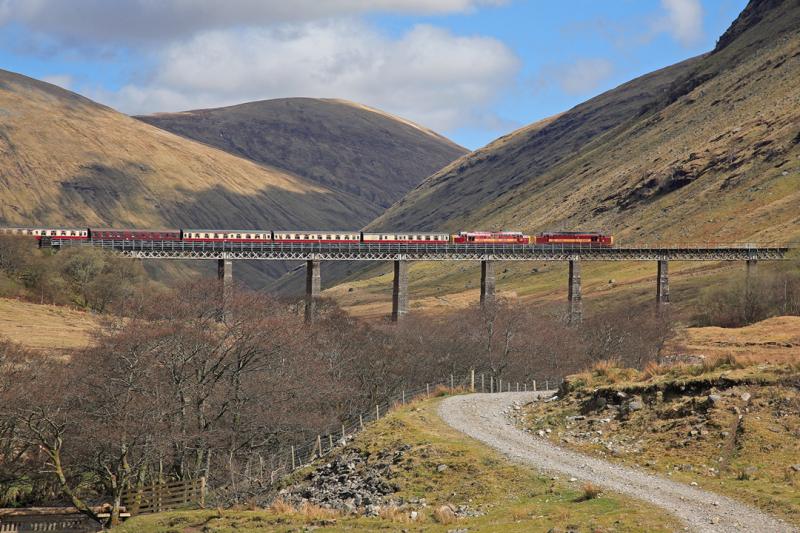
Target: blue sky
[(471, 69)]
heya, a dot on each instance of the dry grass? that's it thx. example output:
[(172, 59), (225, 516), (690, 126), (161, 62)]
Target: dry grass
[(310, 511), (445, 390), (444, 514), (279, 506), (396, 515), (46, 327), (775, 340), (590, 491)]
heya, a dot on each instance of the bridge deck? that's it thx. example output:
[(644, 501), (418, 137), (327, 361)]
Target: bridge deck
[(420, 252)]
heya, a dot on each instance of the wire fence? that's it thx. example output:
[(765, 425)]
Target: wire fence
[(283, 462)]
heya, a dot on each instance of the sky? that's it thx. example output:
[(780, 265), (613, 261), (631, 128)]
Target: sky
[(472, 70)]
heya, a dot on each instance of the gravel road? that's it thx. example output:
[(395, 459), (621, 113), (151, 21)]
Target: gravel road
[(483, 417)]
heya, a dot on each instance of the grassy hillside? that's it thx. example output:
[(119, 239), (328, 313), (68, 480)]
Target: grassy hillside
[(46, 327), (502, 496), (704, 150), (68, 160), (341, 145), (728, 424)]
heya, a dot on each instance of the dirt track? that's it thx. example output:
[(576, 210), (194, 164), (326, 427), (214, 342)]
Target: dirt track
[(483, 417)]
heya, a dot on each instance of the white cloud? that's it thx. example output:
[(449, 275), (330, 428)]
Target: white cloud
[(428, 74), (684, 21), (579, 77), (82, 21), (62, 80)]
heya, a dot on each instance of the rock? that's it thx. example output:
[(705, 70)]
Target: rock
[(636, 404), (659, 397), (548, 430), (621, 395), (746, 397), (714, 399), (573, 479), (693, 483), (541, 433), (441, 468), (796, 467), (414, 515), (715, 520)]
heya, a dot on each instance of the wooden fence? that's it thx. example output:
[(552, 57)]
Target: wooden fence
[(165, 496)]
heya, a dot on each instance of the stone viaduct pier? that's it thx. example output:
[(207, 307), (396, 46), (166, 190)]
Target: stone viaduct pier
[(403, 254)]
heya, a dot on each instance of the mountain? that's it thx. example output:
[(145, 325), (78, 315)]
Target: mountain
[(66, 160), (341, 145), (704, 150)]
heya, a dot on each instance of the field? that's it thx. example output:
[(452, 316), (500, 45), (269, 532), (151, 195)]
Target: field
[(46, 327), (775, 340), (513, 498)]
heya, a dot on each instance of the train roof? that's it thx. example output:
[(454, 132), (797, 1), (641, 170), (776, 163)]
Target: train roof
[(208, 230), (140, 230), (411, 232), (574, 233), (316, 231)]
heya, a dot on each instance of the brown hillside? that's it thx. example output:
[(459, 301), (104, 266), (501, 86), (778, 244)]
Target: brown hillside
[(704, 150), (341, 145), (68, 160)]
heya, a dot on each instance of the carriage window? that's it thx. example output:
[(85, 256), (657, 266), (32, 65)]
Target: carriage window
[(337, 237), (238, 235)]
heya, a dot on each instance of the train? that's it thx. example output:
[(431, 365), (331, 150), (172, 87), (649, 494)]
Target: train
[(563, 238)]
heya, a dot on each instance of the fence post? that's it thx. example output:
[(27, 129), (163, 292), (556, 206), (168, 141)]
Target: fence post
[(472, 380), (361, 420), (203, 492), (330, 441), (427, 390), (377, 411), (483, 387), (451, 383), (500, 385), (491, 384), (534, 385), (294, 464), (404, 397), (525, 386), (546, 385)]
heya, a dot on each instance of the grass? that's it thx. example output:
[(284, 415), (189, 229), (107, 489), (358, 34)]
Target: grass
[(682, 434), (513, 498), (46, 327)]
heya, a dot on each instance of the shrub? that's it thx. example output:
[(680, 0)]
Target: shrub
[(590, 491)]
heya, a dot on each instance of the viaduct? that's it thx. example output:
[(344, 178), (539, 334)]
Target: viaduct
[(225, 253)]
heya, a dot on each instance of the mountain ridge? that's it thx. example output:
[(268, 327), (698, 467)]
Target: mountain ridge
[(345, 146)]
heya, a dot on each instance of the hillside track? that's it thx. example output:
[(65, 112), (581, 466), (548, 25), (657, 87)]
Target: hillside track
[(484, 418)]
